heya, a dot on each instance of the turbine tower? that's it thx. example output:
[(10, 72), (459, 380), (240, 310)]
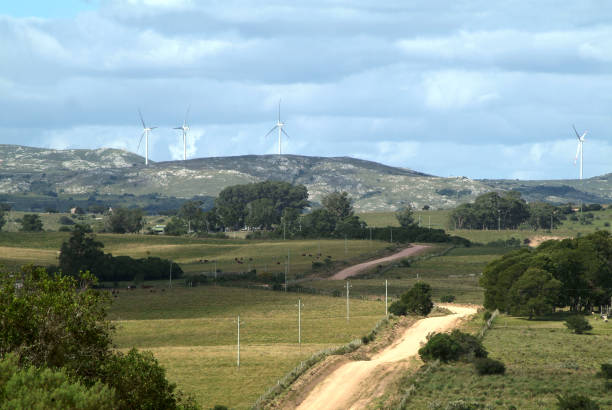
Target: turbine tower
[(279, 125), (184, 128), (579, 149), (145, 133)]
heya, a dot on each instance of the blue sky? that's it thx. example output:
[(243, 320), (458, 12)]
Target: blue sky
[(475, 88)]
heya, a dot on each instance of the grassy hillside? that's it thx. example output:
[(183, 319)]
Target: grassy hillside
[(543, 360), (193, 333)]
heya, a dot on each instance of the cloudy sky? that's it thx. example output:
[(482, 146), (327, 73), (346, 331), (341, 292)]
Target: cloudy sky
[(485, 89)]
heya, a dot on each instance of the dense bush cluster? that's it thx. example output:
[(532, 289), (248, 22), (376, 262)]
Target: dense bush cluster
[(486, 365), (453, 346), (417, 300), (54, 334), (572, 272), (578, 324), (82, 252)]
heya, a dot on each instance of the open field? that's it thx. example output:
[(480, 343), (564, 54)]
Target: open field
[(543, 359), (455, 273), (192, 331), (232, 255)]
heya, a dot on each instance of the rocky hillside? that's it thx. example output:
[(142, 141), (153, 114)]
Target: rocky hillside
[(374, 187)]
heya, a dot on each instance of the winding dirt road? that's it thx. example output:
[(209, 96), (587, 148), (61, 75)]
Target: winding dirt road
[(356, 269), (345, 387)]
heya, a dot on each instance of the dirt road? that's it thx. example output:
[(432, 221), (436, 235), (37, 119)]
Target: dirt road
[(356, 269), (349, 386)]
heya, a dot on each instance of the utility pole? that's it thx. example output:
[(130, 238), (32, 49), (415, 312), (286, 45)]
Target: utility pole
[(370, 237), (286, 263), (386, 306), (170, 274), (300, 305), (238, 359), (391, 231), (429, 223), (348, 286), (215, 270)]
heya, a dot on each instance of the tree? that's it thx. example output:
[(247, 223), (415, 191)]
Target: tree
[(59, 322), (339, 205), (405, 217), (190, 212), (418, 299), (260, 213), (2, 219), (541, 215), (123, 220), (578, 324), (81, 253), (31, 223), (31, 387), (491, 211), (176, 226), (534, 293)]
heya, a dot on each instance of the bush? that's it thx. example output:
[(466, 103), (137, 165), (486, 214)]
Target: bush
[(489, 366), (487, 315), (452, 347), (397, 308), (576, 402), (418, 299), (578, 324), (31, 387), (139, 380), (64, 220), (606, 370), (447, 299)]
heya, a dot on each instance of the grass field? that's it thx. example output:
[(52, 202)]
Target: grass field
[(231, 255), (543, 360), (193, 333), (455, 273)]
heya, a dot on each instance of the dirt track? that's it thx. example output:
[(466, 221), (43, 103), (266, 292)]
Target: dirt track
[(346, 387), (356, 269)]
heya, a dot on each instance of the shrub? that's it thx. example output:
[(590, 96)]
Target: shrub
[(578, 324), (606, 370), (485, 366), (576, 402), (139, 380), (418, 299), (607, 224), (451, 347), (487, 315), (405, 263), (447, 298), (64, 220), (398, 308), (64, 228), (31, 387)]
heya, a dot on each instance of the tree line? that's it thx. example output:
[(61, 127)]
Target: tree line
[(507, 210), (572, 272)]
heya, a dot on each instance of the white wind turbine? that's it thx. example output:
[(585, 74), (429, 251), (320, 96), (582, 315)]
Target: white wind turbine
[(279, 125), (145, 133), (579, 149), (184, 128)]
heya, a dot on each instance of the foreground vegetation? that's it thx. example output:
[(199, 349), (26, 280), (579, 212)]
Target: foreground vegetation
[(543, 360)]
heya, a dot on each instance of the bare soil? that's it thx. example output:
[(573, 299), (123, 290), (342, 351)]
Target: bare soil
[(346, 384), (357, 269)]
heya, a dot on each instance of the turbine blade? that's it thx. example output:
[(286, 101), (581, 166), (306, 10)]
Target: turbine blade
[(139, 141), (270, 132), (177, 128), (287, 135), (577, 135), (152, 128), (577, 153), (186, 115), (583, 135), (141, 119)]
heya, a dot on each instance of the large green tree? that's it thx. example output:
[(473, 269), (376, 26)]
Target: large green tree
[(82, 252), (31, 223), (491, 211), (405, 217), (124, 220), (534, 293), (338, 204)]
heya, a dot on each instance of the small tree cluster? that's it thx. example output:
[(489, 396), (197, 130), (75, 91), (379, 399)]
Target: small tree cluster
[(453, 346), (417, 300)]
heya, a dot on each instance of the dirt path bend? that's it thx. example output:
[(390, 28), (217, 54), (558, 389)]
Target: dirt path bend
[(356, 269), (344, 388)]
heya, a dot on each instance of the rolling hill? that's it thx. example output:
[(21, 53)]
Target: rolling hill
[(373, 186)]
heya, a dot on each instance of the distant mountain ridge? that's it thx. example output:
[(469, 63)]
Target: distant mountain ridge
[(373, 186)]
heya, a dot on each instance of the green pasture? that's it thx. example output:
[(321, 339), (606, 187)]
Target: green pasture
[(543, 359), (455, 273), (196, 255), (432, 218), (193, 333)]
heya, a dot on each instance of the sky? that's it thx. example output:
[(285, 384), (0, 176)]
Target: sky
[(452, 88)]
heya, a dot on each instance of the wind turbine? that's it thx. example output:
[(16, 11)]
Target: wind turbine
[(145, 133), (579, 149), (279, 125), (184, 128)]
